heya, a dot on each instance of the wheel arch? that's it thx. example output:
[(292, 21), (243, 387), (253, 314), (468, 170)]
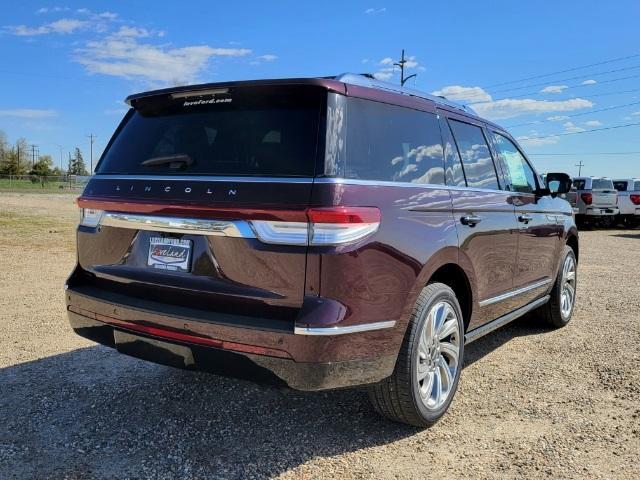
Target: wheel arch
[(455, 277)]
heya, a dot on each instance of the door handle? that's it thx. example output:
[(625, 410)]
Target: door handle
[(525, 218), (470, 220)]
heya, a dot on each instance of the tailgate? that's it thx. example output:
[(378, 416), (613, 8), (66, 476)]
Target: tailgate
[(184, 184), (605, 198)]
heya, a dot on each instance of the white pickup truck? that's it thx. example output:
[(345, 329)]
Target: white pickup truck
[(594, 201), (628, 200)]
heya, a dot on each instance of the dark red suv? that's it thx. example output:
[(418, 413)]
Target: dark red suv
[(319, 233)]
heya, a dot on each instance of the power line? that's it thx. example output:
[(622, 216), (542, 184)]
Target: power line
[(584, 131), (590, 112), (509, 82), (635, 67), (584, 153), (611, 80)]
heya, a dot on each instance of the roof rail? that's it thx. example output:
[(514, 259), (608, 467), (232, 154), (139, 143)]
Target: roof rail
[(367, 80)]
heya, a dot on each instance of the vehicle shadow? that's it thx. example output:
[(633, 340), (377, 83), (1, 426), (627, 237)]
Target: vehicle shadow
[(529, 324), (93, 412), (626, 235)]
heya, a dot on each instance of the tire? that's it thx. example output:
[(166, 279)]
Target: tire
[(403, 397), (555, 312)]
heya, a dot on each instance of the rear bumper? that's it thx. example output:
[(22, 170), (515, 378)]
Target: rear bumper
[(307, 360), (602, 211)]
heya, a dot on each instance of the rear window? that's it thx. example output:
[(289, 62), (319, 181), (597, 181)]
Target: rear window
[(620, 186), (578, 185), (262, 131), (636, 186), (601, 184)]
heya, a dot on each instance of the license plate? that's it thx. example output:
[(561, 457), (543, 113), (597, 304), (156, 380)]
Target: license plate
[(167, 253)]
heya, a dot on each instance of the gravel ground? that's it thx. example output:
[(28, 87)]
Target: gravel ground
[(532, 403)]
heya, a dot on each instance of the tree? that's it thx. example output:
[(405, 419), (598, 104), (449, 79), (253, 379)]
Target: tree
[(13, 160), (43, 166), (77, 165)]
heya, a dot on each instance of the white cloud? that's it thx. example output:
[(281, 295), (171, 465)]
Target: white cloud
[(554, 89), (457, 92), (268, 57), (375, 11), (589, 82), (593, 123), (386, 61), (126, 31), (570, 127), (30, 113), (62, 26), (509, 108), (636, 113), (43, 10), (532, 141), (410, 62), (127, 58), (558, 118), (384, 74)]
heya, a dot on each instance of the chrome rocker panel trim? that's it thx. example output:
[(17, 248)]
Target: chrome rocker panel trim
[(476, 333), (515, 293), (366, 327)]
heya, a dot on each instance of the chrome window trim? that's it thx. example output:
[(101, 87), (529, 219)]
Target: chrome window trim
[(515, 293), (319, 180), (366, 327), (221, 228), (385, 183)]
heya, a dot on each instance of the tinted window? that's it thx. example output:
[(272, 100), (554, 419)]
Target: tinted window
[(453, 166), (250, 131), (601, 184), (578, 185), (390, 143), (476, 157), (519, 175), (636, 186), (620, 186)]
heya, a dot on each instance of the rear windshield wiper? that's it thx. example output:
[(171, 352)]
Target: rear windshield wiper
[(174, 161)]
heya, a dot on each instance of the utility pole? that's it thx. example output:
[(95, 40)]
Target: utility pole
[(400, 64), (33, 156), (579, 165), (92, 138)]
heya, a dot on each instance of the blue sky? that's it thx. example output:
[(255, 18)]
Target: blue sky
[(66, 67)]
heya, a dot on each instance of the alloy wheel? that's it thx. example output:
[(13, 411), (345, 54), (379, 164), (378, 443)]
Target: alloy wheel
[(567, 297), (438, 355)]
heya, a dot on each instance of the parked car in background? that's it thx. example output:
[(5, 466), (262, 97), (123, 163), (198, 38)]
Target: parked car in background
[(594, 201), (628, 200), (318, 233)]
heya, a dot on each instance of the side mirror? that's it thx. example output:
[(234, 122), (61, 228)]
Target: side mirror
[(558, 183)]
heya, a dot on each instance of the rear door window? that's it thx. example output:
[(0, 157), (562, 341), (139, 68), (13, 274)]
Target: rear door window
[(453, 166), (476, 156), (390, 143), (519, 175), (262, 131)]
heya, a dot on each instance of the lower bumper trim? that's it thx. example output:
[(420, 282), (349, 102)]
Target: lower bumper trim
[(365, 327)]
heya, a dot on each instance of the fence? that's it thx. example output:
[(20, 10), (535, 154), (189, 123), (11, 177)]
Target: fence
[(36, 182)]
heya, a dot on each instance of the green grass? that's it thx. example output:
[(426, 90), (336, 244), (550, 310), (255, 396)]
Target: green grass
[(27, 185)]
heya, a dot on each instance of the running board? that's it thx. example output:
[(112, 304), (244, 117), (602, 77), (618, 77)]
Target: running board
[(476, 333)]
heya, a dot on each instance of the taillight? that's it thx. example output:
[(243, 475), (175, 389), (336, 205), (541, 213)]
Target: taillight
[(325, 226), (90, 217), (586, 198), (635, 199)]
